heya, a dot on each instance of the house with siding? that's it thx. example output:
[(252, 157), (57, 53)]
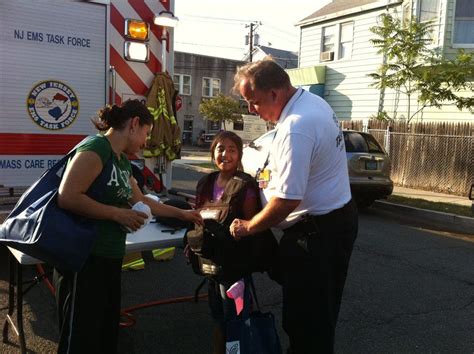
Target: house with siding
[(336, 55)]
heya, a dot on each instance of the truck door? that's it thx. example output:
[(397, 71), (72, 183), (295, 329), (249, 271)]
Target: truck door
[(53, 69)]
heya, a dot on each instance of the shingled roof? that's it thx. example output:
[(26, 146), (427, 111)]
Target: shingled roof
[(284, 58), (339, 6)]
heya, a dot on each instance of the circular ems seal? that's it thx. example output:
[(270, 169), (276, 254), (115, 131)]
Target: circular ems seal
[(52, 105)]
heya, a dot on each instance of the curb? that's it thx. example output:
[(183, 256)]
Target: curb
[(452, 222)]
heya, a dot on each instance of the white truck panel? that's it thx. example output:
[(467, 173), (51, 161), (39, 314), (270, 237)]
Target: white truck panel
[(53, 68), (28, 30)]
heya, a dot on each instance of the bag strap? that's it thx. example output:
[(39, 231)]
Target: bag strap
[(253, 292)]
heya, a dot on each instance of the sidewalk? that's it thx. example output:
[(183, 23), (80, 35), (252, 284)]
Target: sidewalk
[(431, 196)]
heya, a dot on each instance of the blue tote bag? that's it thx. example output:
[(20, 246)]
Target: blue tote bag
[(38, 227), (252, 332)]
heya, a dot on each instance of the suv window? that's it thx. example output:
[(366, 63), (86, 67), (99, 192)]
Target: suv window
[(356, 142)]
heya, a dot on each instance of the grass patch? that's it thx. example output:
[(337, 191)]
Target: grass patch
[(436, 206)]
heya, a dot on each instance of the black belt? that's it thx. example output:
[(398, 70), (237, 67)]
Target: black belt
[(310, 222)]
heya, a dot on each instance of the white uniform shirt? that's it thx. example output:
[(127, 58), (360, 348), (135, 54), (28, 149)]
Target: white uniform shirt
[(308, 159)]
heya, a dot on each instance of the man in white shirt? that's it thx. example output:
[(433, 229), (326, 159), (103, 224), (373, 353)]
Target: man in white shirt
[(305, 191)]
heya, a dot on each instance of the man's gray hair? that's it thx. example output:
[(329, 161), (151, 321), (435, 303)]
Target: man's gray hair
[(263, 75)]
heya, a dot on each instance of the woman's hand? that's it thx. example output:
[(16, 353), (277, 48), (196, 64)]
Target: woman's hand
[(239, 228), (192, 216), (129, 218)]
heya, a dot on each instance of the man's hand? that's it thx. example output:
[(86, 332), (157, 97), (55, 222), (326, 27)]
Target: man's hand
[(274, 212), (239, 228)]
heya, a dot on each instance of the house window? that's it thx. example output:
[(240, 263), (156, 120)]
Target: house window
[(337, 41), (428, 10), (182, 84), (188, 125), (238, 125), (329, 38), (214, 126), (464, 22), (211, 87), (345, 42)]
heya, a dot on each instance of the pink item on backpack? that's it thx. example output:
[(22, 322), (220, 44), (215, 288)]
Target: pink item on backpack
[(236, 292)]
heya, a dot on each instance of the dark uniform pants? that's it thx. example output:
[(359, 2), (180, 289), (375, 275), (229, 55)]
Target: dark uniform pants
[(314, 258)]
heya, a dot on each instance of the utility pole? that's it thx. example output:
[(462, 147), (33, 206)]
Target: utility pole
[(253, 26)]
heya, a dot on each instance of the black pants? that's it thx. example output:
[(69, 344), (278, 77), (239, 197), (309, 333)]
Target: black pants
[(222, 307), (314, 258), (88, 306)]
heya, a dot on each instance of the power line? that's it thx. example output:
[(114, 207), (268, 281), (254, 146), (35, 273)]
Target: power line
[(210, 18), (210, 45)]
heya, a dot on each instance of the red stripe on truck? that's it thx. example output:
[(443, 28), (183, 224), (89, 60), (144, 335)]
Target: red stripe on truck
[(126, 73), (118, 21), (147, 15), (37, 144)]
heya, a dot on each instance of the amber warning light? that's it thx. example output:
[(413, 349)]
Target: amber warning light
[(136, 29)]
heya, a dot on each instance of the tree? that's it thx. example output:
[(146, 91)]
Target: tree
[(221, 109), (410, 67)]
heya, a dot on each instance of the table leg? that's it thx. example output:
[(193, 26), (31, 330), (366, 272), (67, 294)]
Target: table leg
[(18, 328), (19, 307), (11, 297)]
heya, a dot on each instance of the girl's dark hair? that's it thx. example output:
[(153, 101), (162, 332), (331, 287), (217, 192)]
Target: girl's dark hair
[(232, 137), (117, 116)]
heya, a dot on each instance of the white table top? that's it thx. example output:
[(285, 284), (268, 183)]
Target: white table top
[(149, 237)]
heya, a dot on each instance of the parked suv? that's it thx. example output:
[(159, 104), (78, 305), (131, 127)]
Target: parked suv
[(368, 164)]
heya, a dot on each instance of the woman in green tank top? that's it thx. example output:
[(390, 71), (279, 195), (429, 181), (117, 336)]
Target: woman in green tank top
[(89, 301)]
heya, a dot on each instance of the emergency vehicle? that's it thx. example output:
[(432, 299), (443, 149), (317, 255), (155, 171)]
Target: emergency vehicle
[(60, 62)]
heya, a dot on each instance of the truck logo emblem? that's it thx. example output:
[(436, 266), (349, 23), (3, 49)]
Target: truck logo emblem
[(52, 105)]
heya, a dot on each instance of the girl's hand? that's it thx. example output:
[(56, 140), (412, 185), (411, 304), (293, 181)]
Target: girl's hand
[(129, 218), (193, 216)]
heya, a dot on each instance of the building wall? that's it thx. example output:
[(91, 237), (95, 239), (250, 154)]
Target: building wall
[(199, 66), (348, 88)]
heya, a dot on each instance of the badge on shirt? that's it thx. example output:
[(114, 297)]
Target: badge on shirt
[(263, 177)]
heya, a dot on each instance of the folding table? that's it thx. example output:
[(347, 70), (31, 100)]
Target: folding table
[(151, 236)]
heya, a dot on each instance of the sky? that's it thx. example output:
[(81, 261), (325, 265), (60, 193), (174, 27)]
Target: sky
[(218, 27)]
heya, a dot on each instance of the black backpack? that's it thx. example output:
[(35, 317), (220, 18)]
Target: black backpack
[(214, 252)]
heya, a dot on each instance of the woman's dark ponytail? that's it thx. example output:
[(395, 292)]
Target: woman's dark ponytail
[(117, 116)]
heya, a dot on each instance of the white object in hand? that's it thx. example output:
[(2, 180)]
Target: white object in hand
[(142, 207)]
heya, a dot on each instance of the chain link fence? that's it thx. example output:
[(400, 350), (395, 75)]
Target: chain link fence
[(441, 163)]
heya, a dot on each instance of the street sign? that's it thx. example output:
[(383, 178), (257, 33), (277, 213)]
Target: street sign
[(178, 103)]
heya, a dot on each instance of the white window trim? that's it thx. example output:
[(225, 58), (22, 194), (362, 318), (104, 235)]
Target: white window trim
[(181, 84), (436, 25), (418, 11), (454, 44), (211, 88), (337, 41)]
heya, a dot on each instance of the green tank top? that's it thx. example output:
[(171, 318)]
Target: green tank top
[(111, 240)]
